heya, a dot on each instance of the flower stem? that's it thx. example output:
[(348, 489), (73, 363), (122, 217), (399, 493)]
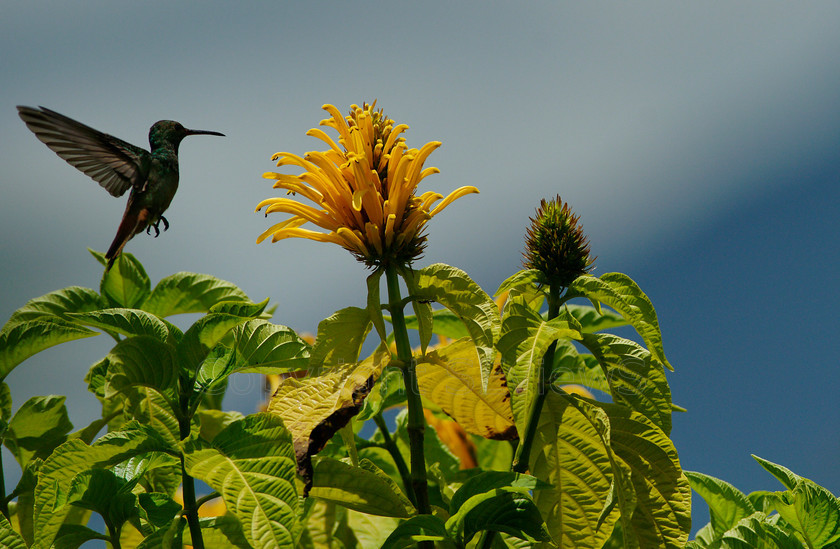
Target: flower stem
[(523, 452), (416, 422), (190, 505), (522, 457), (391, 446)]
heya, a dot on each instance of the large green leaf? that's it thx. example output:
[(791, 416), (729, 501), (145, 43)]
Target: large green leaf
[(727, 504), (663, 514), (263, 347), (506, 509), (143, 361), (423, 319), (525, 278), (618, 291), (812, 511), (575, 459), (782, 473), (251, 464), (416, 529), (570, 367), (73, 457), (633, 378), (126, 284), (8, 537), (490, 480), (103, 492), (525, 339), (208, 330), (756, 531), (592, 320), (129, 322), (224, 531), (37, 428), (340, 337), (24, 339), (151, 408), (73, 299), (190, 293), (365, 488), (455, 290)]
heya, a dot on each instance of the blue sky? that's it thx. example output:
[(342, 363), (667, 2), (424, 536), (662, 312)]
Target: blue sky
[(698, 143)]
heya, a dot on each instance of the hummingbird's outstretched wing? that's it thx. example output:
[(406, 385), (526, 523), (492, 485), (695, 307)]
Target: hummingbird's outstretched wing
[(110, 161)]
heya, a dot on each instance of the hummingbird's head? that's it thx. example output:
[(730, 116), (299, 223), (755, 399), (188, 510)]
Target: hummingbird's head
[(169, 132)]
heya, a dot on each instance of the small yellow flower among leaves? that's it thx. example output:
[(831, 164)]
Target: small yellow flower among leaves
[(363, 190)]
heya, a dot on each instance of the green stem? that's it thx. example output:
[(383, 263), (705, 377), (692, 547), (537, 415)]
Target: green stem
[(113, 533), (190, 505), (523, 451), (522, 457), (416, 422), (391, 446)]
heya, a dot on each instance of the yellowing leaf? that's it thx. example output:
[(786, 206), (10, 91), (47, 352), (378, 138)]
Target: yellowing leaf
[(315, 408), (451, 378)]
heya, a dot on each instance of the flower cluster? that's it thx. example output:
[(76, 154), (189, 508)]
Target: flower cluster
[(555, 244), (363, 190)]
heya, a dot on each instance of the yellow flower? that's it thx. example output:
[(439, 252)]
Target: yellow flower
[(363, 190)]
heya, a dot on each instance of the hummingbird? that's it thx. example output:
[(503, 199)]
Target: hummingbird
[(118, 166)]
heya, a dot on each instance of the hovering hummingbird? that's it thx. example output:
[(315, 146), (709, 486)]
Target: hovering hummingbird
[(118, 166)]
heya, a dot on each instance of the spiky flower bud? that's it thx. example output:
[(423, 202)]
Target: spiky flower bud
[(555, 244)]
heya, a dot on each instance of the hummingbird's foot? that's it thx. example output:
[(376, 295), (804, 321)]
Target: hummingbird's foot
[(154, 226)]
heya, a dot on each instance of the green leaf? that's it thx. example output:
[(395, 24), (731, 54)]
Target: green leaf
[(508, 510), (263, 347), (129, 322), (618, 291), (374, 306), (158, 509), (73, 299), (143, 361), (455, 290), (526, 278), (101, 491), (663, 495), (190, 293), (251, 464), (212, 422), (756, 532), (151, 408), (5, 403), (634, 380), (423, 316), (592, 321), (575, 458), (388, 393), (37, 428), (365, 488), (224, 531), (812, 511), (126, 284), (72, 536), (444, 323), (8, 537), (74, 457), (416, 529), (525, 339), (24, 339), (782, 473), (573, 368), (340, 337), (207, 331), (727, 504), (434, 450), (490, 480)]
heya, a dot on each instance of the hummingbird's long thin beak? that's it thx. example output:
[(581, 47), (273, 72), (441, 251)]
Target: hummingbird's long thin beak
[(204, 132)]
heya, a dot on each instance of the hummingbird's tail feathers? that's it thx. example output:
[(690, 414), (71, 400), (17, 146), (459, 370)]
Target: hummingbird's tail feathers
[(131, 224)]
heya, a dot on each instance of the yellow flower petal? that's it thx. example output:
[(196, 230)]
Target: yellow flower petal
[(453, 196)]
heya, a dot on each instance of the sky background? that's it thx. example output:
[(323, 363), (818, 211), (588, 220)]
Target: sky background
[(698, 142)]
